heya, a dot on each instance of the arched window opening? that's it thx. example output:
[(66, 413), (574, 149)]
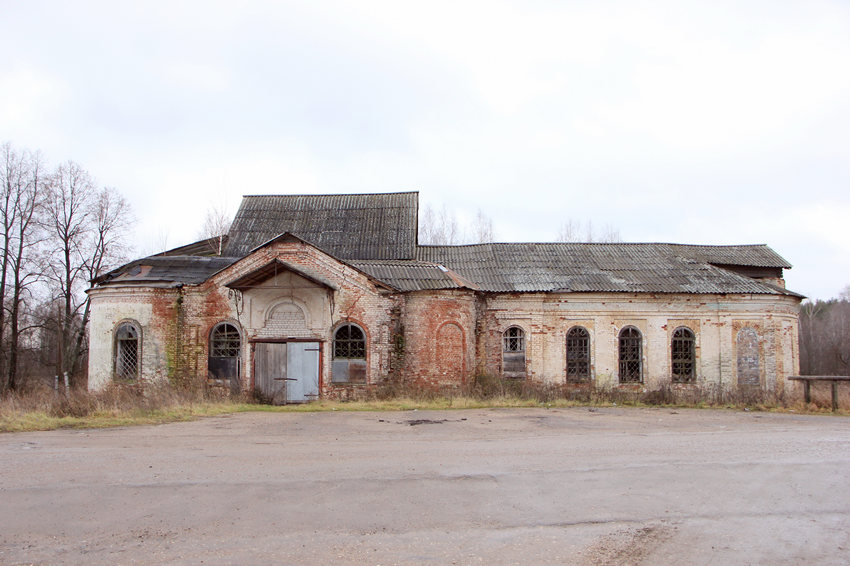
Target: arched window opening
[(513, 352), (127, 351), (683, 356), (349, 354), (224, 353), (631, 354), (578, 354)]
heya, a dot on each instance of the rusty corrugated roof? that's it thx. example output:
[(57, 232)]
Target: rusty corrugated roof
[(639, 268), (365, 226)]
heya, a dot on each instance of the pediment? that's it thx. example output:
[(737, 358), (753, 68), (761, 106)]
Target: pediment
[(272, 269)]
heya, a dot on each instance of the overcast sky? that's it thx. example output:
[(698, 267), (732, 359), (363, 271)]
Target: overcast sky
[(693, 122)]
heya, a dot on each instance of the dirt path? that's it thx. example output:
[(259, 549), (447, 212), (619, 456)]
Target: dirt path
[(566, 486)]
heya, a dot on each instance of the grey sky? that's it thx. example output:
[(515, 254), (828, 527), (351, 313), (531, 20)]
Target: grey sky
[(692, 122)]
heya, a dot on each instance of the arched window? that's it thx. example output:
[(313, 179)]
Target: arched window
[(127, 351), (349, 354), (513, 352), (224, 353), (683, 356), (631, 354), (578, 354)]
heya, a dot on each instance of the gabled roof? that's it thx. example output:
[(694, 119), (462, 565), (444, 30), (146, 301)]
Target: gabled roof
[(365, 226), (376, 235), (639, 268)]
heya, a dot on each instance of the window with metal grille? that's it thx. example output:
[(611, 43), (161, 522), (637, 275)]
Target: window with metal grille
[(578, 354), (349, 342), (126, 351), (349, 355), (225, 341), (683, 356), (514, 339), (631, 355), (513, 352), (225, 345)]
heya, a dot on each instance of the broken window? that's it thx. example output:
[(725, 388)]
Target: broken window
[(631, 354), (349, 355), (127, 351), (683, 356), (513, 352), (225, 346), (578, 354)]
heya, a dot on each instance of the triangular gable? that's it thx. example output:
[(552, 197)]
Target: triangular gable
[(270, 270)]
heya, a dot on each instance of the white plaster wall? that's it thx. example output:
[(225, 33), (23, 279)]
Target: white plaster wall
[(714, 320), (110, 307)]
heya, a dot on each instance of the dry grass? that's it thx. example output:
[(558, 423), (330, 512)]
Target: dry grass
[(122, 405), (118, 405)]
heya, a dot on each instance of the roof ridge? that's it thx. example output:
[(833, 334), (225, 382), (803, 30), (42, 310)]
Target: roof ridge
[(592, 244), (334, 194)]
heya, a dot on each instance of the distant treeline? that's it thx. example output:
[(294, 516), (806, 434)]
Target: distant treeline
[(825, 336)]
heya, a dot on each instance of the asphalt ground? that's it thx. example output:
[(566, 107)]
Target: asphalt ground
[(498, 486)]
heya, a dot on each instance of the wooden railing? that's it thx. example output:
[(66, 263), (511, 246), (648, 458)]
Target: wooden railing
[(807, 384)]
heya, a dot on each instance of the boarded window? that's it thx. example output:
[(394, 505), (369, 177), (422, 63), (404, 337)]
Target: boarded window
[(225, 345), (127, 351), (513, 352), (683, 356), (578, 354), (349, 355), (748, 357), (630, 354)]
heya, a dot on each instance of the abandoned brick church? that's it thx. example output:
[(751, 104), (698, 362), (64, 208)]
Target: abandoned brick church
[(324, 295)]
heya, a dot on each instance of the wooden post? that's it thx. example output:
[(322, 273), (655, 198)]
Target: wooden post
[(807, 392), (834, 395)]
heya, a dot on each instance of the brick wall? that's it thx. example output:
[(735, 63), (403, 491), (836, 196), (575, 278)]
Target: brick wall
[(436, 337)]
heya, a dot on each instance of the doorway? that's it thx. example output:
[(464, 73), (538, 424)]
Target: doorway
[(287, 372)]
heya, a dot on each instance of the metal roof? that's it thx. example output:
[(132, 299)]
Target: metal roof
[(366, 226), (167, 270), (408, 275), (376, 233), (568, 267), (758, 255)]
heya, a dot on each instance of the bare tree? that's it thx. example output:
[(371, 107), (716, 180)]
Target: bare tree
[(12, 179), (87, 227), (216, 226), (482, 229), (104, 247), (20, 251), (568, 231), (571, 231), (610, 235), (438, 228)]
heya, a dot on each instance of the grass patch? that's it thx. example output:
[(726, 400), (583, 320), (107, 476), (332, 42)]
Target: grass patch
[(147, 404)]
